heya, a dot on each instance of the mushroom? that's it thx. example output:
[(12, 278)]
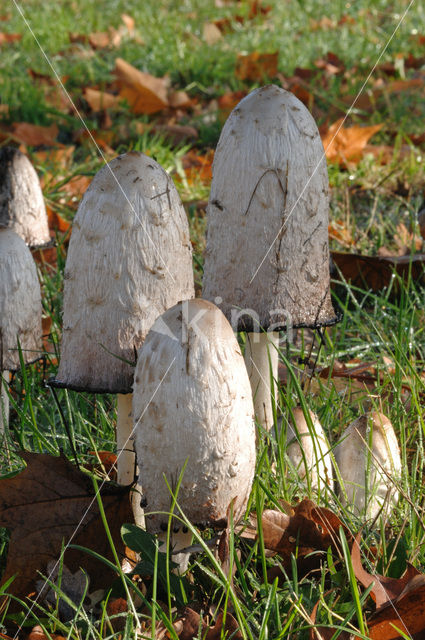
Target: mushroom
[(22, 206), (192, 405), (267, 255), (308, 450), (129, 259), (20, 312), (368, 457)]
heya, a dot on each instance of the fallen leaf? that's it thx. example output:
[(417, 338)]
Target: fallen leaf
[(75, 187), (35, 135), (375, 272), (99, 100), (179, 100), (59, 156), (37, 633), (7, 38), (211, 33), (384, 589), (308, 529), (56, 222), (104, 39), (51, 502), (194, 627), (338, 231), (256, 66), (400, 602), (344, 145), (198, 167), (128, 21), (143, 92), (326, 633)]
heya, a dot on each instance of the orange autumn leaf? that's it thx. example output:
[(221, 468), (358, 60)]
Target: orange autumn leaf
[(347, 144), (56, 222), (99, 100), (103, 39), (128, 21), (198, 167), (35, 135), (77, 185), (144, 93), (7, 38), (256, 66), (59, 156), (338, 231)]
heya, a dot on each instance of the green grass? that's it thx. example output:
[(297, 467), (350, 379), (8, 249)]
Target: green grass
[(369, 200)]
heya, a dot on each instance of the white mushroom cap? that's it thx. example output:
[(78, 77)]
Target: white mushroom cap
[(20, 303), (129, 260), (369, 448), (306, 449), (22, 207), (267, 240), (192, 401)]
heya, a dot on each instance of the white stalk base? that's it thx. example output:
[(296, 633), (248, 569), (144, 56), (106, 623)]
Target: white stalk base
[(178, 541), (126, 457), (4, 401), (261, 352)]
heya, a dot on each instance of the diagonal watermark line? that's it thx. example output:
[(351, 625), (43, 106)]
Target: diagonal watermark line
[(94, 499), (323, 157), (98, 149)]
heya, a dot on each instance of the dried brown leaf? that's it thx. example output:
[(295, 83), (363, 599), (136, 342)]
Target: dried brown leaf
[(344, 145), (211, 33), (143, 92), (35, 135), (51, 502), (99, 100), (257, 66)]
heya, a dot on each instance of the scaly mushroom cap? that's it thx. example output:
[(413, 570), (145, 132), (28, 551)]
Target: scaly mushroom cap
[(129, 260), (192, 401), (22, 206), (267, 240), (309, 449), (20, 303), (363, 457)]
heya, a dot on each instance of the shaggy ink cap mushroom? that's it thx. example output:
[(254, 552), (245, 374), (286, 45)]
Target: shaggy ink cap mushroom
[(309, 451), (192, 404), (267, 239), (22, 207), (20, 312), (267, 255), (368, 457), (20, 303), (129, 259)]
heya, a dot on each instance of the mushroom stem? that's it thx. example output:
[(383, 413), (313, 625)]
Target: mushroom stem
[(178, 540), (125, 451), (261, 360), (126, 457), (4, 401)]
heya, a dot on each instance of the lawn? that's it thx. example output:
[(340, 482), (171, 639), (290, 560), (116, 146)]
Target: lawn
[(71, 99)]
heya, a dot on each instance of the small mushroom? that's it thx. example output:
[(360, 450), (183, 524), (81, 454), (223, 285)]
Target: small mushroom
[(20, 312), (129, 259), (368, 457), (192, 405), (308, 450), (267, 255), (22, 206)]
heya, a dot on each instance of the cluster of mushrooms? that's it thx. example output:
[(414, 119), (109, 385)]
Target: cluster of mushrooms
[(133, 327)]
